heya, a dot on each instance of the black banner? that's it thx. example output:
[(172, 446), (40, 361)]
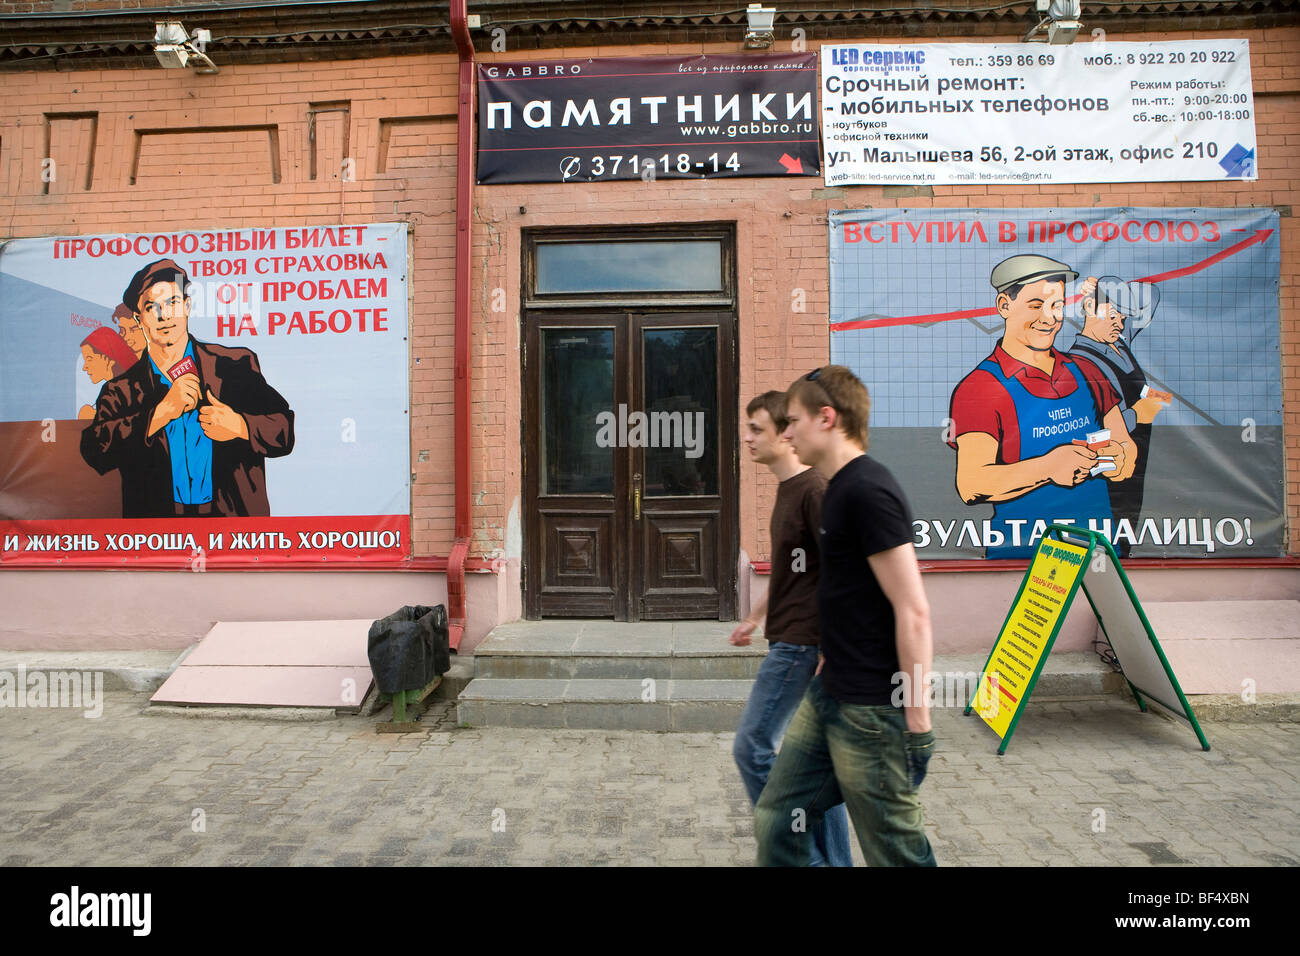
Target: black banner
[(666, 117)]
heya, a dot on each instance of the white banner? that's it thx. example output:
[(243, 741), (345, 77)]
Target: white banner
[(954, 113)]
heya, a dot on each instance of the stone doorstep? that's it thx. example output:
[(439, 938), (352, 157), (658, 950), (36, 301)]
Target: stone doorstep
[(610, 704), (660, 666), (1065, 676), (605, 691)]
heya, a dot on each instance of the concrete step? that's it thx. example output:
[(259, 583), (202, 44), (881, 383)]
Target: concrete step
[(593, 650), (604, 704), (1064, 677), (664, 678), (456, 679)]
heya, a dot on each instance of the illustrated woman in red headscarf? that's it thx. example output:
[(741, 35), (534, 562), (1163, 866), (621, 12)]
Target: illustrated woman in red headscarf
[(104, 355)]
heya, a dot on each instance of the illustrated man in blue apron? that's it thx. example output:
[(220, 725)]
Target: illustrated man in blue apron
[(1022, 419)]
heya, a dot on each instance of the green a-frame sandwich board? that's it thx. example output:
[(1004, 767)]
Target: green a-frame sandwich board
[(1119, 613)]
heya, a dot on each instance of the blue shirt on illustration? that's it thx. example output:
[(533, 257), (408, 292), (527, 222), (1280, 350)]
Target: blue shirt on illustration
[(191, 450)]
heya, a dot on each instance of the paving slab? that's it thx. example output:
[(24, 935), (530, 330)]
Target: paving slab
[(275, 664), (263, 643)]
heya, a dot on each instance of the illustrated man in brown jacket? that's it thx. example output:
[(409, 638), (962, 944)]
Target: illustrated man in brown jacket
[(190, 424)]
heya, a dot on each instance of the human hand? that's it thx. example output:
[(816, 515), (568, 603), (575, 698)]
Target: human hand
[(1069, 465), (1146, 409), (740, 636), (1114, 449), (1088, 293), (182, 397), (919, 747), (220, 422)]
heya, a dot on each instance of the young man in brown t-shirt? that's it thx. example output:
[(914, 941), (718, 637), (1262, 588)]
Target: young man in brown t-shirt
[(791, 611)]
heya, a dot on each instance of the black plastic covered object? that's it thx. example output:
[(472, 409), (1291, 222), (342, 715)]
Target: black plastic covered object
[(409, 648)]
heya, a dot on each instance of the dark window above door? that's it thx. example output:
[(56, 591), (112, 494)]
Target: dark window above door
[(676, 265), (665, 265)]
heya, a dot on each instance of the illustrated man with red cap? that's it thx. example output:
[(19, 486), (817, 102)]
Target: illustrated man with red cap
[(189, 425), (1027, 421)]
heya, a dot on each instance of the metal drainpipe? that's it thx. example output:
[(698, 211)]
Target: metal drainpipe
[(456, 597)]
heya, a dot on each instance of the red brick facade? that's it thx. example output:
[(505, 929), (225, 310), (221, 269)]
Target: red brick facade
[(233, 150)]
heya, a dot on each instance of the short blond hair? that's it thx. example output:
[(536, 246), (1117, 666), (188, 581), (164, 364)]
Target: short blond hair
[(836, 386)]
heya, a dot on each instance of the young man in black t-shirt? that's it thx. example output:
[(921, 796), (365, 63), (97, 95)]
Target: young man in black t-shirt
[(847, 741)]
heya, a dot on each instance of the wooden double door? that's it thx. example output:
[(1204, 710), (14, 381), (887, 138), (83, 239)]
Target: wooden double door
[(630, 464)]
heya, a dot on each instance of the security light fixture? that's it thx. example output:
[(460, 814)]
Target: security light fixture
[(1059, 22), (169, 42), (759, 35), (175, 49)]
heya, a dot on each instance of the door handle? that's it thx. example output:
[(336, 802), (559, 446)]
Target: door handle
[(636, 497)]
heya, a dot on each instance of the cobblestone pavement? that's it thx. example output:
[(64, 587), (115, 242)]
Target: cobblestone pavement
[(1088, 782)]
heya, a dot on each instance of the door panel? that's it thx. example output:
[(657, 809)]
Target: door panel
[(684, 381), (579, 561), (574, 370), (679, 564), (630, 465)]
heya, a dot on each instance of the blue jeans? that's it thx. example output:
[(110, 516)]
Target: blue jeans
[(857, 753), (782, 679)]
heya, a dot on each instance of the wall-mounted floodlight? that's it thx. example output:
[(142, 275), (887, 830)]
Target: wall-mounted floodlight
[(759, 36), (175, 49), (1059, 22)]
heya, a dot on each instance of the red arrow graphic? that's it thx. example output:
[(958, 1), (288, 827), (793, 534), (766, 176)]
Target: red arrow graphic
[(1260, 235), (791, 164)]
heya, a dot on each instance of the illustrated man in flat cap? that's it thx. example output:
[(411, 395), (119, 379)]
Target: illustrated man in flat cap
[(189, 425), (1022, 417), (1108, 304)]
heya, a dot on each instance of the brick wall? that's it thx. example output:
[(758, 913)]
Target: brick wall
[(400, 132)]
